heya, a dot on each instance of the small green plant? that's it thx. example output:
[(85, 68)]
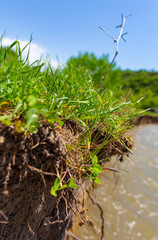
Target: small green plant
[(58, 186), (93, 170)]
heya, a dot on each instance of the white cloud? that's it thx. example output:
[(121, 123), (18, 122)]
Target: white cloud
[(54, 63), (36, 52)]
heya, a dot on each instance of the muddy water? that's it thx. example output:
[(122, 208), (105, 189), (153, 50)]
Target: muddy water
[(129, 201)]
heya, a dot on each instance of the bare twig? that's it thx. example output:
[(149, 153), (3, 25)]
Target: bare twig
[(108, 33), (123, 18)]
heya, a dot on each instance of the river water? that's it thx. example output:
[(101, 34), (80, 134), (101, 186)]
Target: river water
[(129, 201)]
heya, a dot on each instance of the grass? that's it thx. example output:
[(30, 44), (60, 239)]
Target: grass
[(31, 94)]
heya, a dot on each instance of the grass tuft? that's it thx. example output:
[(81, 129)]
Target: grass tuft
[(31, 94)]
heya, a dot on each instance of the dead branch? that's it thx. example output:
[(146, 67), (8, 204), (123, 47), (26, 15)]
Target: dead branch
[(123, 18)]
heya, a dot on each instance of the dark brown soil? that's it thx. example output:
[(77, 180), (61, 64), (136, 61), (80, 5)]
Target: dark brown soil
[(26, 206), (28, 168)]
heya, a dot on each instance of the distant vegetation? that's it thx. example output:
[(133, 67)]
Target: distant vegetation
[(133, 85), (142, 84)]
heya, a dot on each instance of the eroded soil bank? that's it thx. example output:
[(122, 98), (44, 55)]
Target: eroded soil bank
[(29, 165), (146, 119), (25, 201)]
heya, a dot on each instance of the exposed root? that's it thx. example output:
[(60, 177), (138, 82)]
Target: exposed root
[(92, 224), (81, 213), (30, 229), (70, 234), (5, 183), (40, 171), (5, 222), (4, 216), (53, 222)]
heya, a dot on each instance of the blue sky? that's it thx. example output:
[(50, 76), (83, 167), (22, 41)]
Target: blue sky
[(63, 28)]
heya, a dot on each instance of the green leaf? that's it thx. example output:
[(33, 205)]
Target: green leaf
[(97, 180), (56, 183), (32, 129), (63, 187), (31, 117), (53, 192), (56, 187), (51, 120), (14, 43), (6, 119), (94, 174), (69, 147), (94, 160), (17, 107), (72, 184), (31, 100), (97, 168)]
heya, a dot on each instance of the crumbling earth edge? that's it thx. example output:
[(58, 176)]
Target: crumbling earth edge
[(28, 168)]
